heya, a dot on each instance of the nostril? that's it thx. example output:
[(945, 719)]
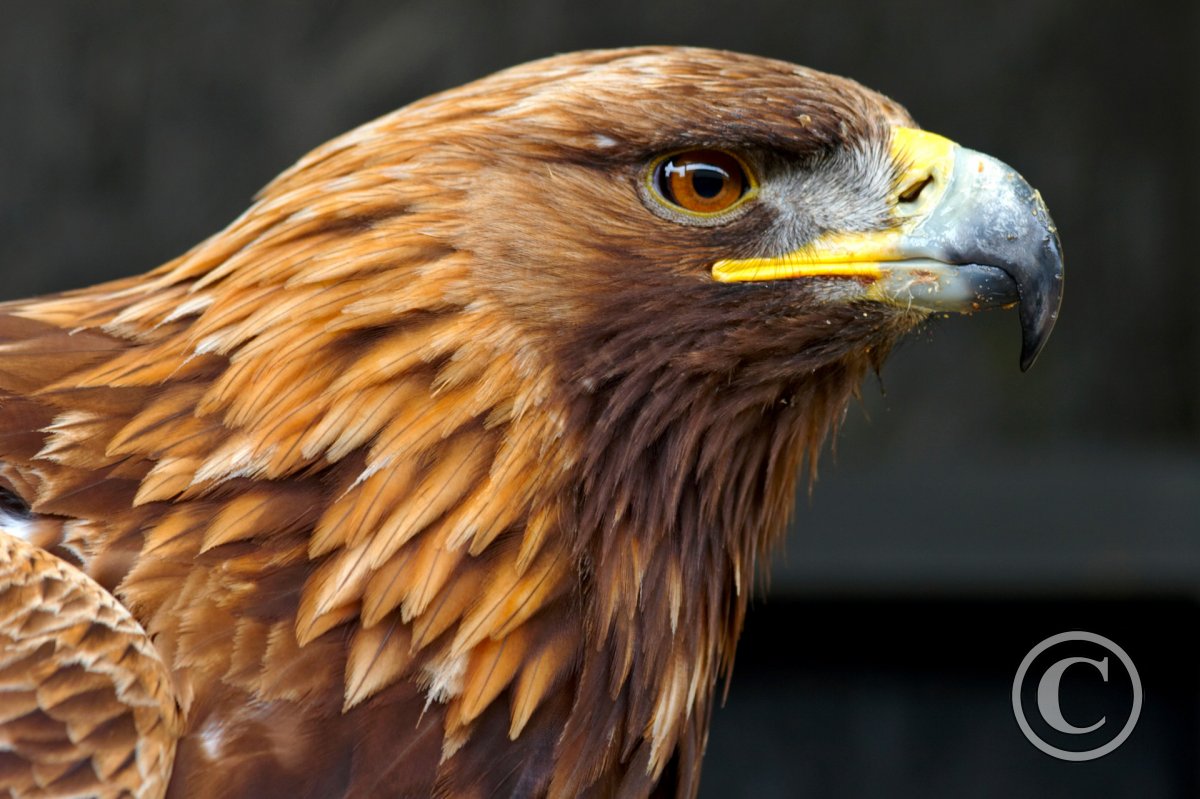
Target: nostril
[(913, 192)]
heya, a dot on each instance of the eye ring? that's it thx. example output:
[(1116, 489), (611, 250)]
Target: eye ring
[(705, 184)]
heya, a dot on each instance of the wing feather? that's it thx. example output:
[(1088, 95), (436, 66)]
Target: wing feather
[(88, 706)]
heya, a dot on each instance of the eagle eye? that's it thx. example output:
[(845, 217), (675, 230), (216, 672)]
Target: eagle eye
[(700, 181)]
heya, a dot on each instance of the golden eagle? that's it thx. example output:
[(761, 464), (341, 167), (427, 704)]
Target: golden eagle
[(447, 467)]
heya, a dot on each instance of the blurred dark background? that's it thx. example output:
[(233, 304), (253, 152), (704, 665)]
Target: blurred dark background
[(970, 511)]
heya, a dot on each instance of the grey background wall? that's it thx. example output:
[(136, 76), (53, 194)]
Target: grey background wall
[(970, 510)]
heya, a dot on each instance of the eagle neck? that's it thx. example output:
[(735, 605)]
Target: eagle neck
[(687, 480)]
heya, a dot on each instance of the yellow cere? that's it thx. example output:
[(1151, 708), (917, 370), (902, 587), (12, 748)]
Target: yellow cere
[(926, 157)]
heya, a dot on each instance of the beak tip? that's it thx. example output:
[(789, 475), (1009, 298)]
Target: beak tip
[(1040, 285), (1039, 316), (1028, 356)]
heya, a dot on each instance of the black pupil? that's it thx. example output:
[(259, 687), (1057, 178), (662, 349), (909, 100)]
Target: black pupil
[(708, 181)]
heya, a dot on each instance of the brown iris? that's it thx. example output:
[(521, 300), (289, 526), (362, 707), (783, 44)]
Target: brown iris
[(701, 181)]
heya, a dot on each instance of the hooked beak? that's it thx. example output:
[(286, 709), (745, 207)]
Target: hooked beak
[(969, 233)]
